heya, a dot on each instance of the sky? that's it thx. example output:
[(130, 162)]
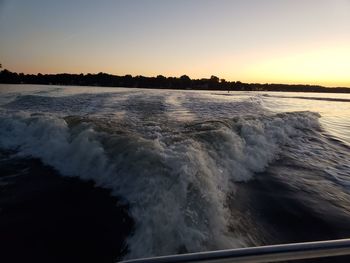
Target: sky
[(266, 41)]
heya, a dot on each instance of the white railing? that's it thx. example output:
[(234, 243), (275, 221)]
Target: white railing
[(274, 253)]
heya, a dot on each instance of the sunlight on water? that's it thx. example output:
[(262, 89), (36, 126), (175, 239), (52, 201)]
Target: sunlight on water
[(334, 109)]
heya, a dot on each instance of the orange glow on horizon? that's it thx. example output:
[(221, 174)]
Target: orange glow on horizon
[(323, 66), (326, 66)]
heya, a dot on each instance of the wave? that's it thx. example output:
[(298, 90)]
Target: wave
[(78, 104), (308, 98), (176, 183)]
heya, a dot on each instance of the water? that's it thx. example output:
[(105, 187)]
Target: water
[(198, 170)]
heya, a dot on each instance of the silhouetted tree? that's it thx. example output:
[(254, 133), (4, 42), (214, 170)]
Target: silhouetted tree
[(184, 82), (185, 78), (214, 82), (214, 79)]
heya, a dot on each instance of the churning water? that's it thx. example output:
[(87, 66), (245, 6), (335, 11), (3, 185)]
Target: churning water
[(198, 170)]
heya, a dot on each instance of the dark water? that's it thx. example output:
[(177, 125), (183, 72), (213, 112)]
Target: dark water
[(94, 174), (49, 218)]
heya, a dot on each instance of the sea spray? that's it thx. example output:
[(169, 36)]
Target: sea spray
[(176, 182)]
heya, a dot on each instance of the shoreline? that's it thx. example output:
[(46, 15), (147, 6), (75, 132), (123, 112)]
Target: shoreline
[(159, 82)]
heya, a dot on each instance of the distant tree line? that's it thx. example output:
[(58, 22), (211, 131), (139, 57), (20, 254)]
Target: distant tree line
[(159, 82)]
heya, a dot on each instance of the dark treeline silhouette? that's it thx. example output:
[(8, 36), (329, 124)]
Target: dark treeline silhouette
[(159, 82)]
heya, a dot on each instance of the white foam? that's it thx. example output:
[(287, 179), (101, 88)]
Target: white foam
[(176, 183)]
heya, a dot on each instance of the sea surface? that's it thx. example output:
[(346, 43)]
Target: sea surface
[(118, 173)]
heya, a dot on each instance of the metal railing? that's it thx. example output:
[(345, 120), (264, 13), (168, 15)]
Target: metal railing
[(274, 253)]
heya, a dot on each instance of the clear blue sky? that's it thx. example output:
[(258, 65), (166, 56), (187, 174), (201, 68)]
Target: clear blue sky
[(291, 41)]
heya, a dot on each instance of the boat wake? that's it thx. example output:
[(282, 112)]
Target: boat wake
[(177, 181)]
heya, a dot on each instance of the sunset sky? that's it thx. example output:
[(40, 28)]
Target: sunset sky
[(280, 41)]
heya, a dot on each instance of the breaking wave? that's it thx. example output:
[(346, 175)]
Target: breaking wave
[(176, 182)]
